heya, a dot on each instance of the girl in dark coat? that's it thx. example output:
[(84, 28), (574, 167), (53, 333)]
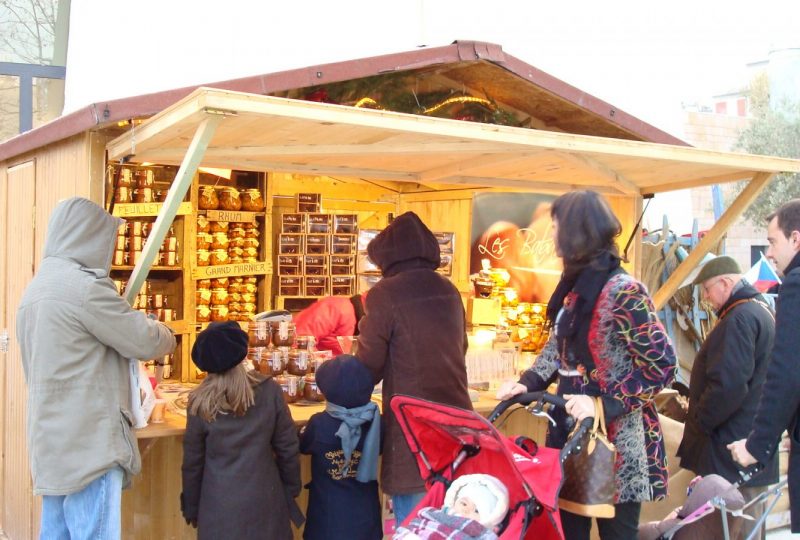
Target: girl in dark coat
[(241, 470), (606, 342), (344, 443)]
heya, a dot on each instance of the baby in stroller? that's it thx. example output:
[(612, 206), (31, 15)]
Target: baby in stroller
[(474, 507)]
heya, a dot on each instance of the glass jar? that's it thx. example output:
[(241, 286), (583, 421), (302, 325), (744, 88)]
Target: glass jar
[(123, 194), (204, 240), (252, 201), (219, 240), (290, 386), (311, 390), (203, 314), (218, 226), (298, 362), (219, 313), (143, 195), (306, 343), (258, 333), (203, 225), (220, 282), (203, 257), (219, 296), (237, 232), (229, 199), (219, 257), (202, 297), (208, 198), (250, 243), (275, 359), (203, 283), (282, 333)]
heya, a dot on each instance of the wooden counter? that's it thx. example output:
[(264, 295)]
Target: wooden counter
[(151, 508)]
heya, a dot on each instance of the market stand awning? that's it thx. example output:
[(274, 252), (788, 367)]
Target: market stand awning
[(219, 128)]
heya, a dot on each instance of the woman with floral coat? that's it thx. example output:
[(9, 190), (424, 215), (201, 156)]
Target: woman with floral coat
[(606, 342)]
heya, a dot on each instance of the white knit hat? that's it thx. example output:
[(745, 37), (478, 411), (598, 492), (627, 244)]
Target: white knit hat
[(487, 492)]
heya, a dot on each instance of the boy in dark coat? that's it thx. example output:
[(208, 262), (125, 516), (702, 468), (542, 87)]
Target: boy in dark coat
[(241, 468), (344, 442)]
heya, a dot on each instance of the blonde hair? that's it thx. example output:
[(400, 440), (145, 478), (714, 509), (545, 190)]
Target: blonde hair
[(229, 391)]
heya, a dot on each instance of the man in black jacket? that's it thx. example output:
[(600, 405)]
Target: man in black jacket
[(780, 407), (727, 377)]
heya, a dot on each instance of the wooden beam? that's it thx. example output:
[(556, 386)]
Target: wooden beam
[(582, 160), (462, 167), (742, 202), (696, 182), (552, 187), (288, 150), (183, 180)]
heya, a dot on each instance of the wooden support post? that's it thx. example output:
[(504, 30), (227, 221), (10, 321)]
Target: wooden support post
[(183, 180), (745, 198)]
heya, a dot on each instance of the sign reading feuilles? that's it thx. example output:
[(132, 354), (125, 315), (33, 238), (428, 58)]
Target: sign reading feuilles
[(229, 270), (227, 215), (148, 209), (514, 231)]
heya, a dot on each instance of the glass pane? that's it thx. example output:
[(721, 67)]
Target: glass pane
[(9, 106), (48, 100), (27, 31)]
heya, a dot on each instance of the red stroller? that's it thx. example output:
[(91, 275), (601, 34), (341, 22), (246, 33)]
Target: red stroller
[(449, 442)]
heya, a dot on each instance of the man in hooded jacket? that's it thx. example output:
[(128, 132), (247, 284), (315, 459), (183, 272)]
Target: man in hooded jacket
[(413, 337), (76, 334)]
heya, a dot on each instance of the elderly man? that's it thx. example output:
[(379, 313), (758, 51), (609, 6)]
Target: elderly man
[(780, 408), (727, 376)]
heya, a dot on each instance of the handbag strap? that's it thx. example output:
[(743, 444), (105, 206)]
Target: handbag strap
[(599, 416)]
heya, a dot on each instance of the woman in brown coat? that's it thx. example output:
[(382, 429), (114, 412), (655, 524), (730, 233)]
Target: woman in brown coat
[(413, 338), (241, 469)]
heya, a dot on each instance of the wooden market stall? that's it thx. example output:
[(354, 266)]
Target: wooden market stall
[(370, 163)]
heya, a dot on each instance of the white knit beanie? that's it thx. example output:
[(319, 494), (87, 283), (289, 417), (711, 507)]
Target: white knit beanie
[(487, 492)]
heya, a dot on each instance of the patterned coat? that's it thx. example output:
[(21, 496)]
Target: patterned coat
[(630, 360)]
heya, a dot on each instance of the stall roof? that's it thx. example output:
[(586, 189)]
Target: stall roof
[(554, 104), (277, 134)]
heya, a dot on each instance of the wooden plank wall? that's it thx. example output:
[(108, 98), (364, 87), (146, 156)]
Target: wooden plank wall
[(18, 502), (4, 321)]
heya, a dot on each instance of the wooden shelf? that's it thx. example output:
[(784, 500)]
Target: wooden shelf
[(152, 268), (178, 327)]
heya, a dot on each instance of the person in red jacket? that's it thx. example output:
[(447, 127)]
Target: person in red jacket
[(330, 317)]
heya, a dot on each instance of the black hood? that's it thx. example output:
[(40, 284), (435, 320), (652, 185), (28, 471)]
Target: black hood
[(405, 243)]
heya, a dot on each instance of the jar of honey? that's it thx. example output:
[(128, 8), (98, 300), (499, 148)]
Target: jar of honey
[(311, 390), (258, 333), (252, 201), (282, 333), (229, 199), (208, 198), (298, 362)]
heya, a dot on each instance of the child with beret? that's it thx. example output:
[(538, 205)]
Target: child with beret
[(241, 469), (344, 443)]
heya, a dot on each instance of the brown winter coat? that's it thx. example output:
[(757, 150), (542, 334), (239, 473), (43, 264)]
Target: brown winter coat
[(242, 473), (413, 337)]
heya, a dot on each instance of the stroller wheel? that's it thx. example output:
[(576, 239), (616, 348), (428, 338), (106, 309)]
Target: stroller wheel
[(527, 444)]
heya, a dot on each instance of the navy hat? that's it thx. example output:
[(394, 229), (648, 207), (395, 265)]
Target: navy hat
[(345, 381), (220, 347)]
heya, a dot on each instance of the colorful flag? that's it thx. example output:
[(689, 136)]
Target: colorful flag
[(762, 275)]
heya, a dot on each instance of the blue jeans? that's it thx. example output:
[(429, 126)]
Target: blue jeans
[(404, 504), (93, 512)]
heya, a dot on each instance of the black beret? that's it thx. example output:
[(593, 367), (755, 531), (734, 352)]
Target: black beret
[(220, 347), (345, 381)]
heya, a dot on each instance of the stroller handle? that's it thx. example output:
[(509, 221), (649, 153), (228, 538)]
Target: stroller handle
[(525, 400)]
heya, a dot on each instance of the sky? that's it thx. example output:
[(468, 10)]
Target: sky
[(645, 58)]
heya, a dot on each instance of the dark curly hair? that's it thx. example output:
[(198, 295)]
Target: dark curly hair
[(587, 228)]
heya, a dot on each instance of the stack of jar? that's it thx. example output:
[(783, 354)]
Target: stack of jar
[(226, 299), (150, 302), (274, 350), (230, 199), (138, 186), (222, 242), (131, 237)]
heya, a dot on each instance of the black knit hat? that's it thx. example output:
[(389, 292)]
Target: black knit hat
[(220, 347), (345, 381)]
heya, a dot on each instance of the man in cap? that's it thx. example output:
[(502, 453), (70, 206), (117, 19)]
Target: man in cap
[(727, 376), (780, 408)]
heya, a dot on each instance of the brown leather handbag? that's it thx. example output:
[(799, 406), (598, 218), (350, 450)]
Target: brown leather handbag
[(589, 487)]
